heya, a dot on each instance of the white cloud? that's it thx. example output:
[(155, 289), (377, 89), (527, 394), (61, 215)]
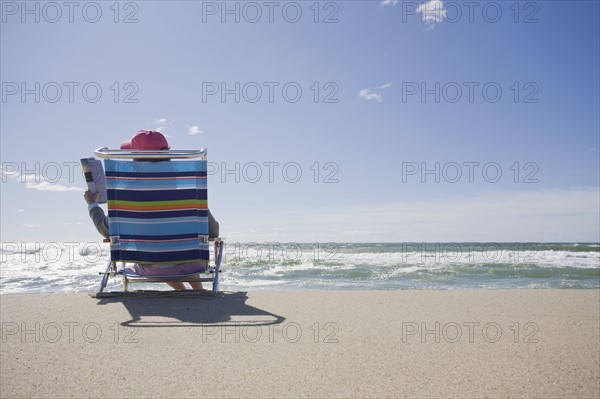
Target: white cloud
[(389, 2), (31, 225), (194, 130), (36, 182), (432, 12), (383, 86), (46, 186), (160, 124), (21, 210), (369, 94)]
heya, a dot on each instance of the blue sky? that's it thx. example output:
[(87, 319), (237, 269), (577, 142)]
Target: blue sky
[(365, 134)]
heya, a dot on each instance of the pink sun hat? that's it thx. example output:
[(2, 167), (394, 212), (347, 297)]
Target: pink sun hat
[(148, 140)]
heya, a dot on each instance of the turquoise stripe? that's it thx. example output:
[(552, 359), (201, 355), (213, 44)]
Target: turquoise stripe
[(157, 229), (112, 165)]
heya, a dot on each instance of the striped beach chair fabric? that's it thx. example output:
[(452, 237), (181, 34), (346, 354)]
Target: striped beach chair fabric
[(158, 215), (157, 211)]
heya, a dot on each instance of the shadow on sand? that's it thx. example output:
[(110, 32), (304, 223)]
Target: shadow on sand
[(223, 309)]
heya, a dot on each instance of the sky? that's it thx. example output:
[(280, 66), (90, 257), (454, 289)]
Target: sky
[(331, 121)]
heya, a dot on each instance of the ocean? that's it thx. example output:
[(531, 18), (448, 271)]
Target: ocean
[(74, 267)]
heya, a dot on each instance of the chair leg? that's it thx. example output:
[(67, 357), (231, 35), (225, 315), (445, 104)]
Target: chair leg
[(104, 279), (218, 258)]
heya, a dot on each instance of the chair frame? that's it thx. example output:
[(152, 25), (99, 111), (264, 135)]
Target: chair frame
[(112, 269)]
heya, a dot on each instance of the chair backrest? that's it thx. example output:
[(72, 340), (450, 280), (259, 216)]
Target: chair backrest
[(157, 211)]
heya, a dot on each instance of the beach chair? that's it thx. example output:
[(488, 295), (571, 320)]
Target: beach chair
[(158, 214)]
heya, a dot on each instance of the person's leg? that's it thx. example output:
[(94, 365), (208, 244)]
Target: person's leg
[(176, 285), (196, 285)]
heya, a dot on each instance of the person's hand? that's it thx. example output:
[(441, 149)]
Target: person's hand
[(91, 197)]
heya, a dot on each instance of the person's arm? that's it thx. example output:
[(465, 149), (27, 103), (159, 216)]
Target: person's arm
[(96, 213), (213, 226)]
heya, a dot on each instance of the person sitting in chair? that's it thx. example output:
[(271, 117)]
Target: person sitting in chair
[(151, 141)]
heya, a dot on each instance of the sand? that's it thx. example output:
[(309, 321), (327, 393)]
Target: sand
[(494, 343)]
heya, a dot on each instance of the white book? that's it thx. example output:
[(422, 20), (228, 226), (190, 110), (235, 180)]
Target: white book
[(94, 176)]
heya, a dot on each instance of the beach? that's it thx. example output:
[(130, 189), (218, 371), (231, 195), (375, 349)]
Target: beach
[(403, 343)]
